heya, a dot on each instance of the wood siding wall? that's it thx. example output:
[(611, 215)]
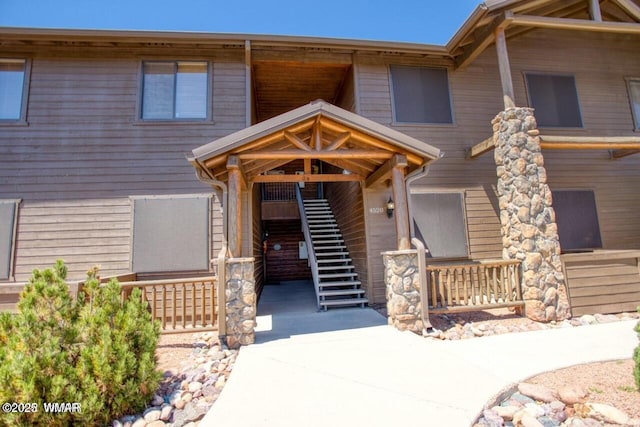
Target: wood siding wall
[(256, 223), (84, 152), (477, 97), (285, 264), (346, 201)]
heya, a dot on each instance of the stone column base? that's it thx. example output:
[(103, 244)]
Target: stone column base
[(240, 302), (402, 280)]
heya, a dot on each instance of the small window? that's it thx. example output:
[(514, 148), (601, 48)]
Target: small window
[(577, 219), (439, 222), (12, 88), (421, 95), (634, 98), (175, 90), (555, 100), (171, 234), (8, 215)]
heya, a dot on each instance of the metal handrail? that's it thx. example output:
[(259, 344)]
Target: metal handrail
[(310, 250)]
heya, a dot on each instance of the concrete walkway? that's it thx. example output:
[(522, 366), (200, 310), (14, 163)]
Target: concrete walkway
[(347, 368)]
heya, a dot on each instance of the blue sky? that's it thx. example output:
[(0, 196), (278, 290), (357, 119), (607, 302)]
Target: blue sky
[(420, 21)]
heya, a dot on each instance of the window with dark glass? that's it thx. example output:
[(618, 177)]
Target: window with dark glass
[(577, 219), (12, 84), (555, 100), (421, 95), (634, 98), (439, 221), (175, 90)]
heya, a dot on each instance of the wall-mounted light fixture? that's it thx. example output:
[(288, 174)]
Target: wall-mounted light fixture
[(390, 207)]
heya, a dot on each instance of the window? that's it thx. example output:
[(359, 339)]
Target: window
[(421, 95), (577, 219), (8, 214), (174, 90), (555, 100), (634, 98), (171, 233), (12, 88), (439, 222)]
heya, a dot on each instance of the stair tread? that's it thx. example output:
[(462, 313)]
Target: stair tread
[(327, 261), (336, 292), (336, 267), (336, 275), (346, 301), (339, 283)]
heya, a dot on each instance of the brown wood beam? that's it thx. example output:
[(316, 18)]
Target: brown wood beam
[(618, 154), (307, 166), (338, 177), (263, 166), (576, 24), (351, 165), (293, 139), (385, 169), (483, 39), (632, 9), (339, 141), (553, 142), (301, 154), (234, 212), (481, 148), (234, 163), (316, 135), (401, 212)]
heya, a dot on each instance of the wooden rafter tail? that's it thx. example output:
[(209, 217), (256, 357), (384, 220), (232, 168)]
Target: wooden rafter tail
[(481, 148)]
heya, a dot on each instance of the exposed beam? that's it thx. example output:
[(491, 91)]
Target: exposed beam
[(316, 135), (576, 24), (264, 166), (301, 154), (630, 7), (385, 169), (339, 141), (553, 142), (307, 166), (351, 165), (594, 10), (618, 154), (337, 177), (481, 148), (293, 139), (483, 39)]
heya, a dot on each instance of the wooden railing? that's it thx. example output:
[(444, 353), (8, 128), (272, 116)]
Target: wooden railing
[(181, 305), (311, 253), (475, 285)]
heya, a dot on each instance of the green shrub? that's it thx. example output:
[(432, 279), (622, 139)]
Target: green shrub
[(636, 357), (97, 351)]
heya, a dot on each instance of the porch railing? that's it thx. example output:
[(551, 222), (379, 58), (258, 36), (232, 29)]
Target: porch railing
[(477, 285), (311, 253), (181, 305)]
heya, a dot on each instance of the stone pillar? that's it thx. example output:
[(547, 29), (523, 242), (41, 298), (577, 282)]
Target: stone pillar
[(529, 229), (240, 302), (402, 280)]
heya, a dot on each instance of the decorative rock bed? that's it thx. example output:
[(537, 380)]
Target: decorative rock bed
[(184, 398)]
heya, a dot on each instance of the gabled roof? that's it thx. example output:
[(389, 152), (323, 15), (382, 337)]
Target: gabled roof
[(317, 130)]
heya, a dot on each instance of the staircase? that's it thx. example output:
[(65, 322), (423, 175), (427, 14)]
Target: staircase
[(337, 282)]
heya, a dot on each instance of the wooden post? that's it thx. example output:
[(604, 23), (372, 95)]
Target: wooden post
[(594, 8), (234, 215), (505, 69), (401, 208)]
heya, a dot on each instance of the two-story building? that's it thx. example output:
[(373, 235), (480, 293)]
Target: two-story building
[(106, 138)]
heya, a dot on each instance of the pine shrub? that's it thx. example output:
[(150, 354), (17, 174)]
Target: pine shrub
[(97, 351)]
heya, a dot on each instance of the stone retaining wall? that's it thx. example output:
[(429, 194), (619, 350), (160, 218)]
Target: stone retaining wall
[(529, 229)]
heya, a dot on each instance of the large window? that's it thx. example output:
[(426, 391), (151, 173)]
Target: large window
[(12, 88), (555, 100), (439, 221), (421, 95), (634, 98), (577, 219), (171, 234), (175, 90)]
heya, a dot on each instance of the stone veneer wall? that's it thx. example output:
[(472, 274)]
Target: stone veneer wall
[(240, 302), (402, 280), (529, 229)]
